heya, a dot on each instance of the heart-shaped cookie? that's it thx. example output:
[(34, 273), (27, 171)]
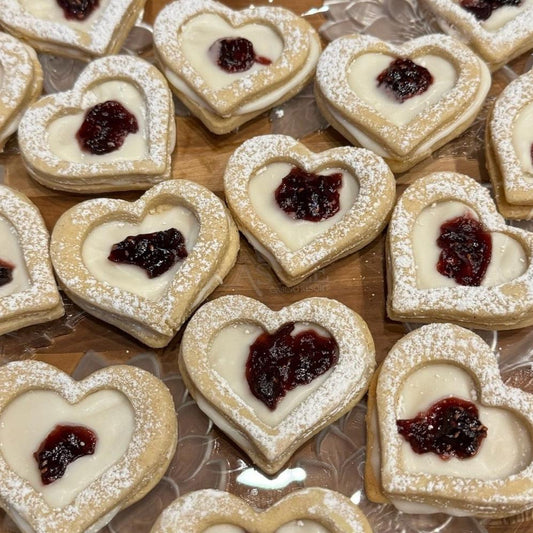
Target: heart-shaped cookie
[(82, 31), (508, 148), (229, 66), (183, 242), (441, 385), (320, 509), (267, 404), (73, 454), (498, 33), (297, 247), (61, 139), (483, 280), (28, 291), (356, 92), (21, 81)]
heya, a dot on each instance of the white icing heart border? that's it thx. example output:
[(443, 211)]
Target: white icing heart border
[(152, 445), (505, 306), (438, 343), (359, 226), (76, 177), (153, 322), (273, 445)]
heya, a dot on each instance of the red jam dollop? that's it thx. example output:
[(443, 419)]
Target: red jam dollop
[(77, 9), (279, 362), (404, 79), (449, 428), (105, 127), (308, 196), (482, 9), (6, 272), (62, 446), (466, 250), (236, 54), (153, 252)]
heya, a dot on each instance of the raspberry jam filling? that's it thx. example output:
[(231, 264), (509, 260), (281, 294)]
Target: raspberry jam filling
[(62, 446), (77, 9), (6, 272), (404, 79), (235, 54), (279, 362), (105, 127), (449, 428), (308, 196), (482, 9), (154, 252), (466, 250)]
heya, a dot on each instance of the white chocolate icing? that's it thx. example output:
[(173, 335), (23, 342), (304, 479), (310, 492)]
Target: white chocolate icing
[(99, 241), (505, 431), (522, 139), (503, 15), (295, 233), (11, 252), (62, 131), (365, 69), (508, 259), (30, 417), (229, 352), (202, 31), (302, 526)]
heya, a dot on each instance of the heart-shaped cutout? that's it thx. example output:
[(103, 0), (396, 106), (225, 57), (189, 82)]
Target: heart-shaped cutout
[(49, 131), (149, 307), (321, 510), (218, 378), (283, 54), (296, 248), (499, 34), (453, 372), (28, 291), (127, 412), (403, 128), (425, 278), (45, 26), (21, 81), (508, 148)]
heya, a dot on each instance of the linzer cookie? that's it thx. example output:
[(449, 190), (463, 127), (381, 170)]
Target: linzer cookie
[(21, 81), (400, 102), (445, 434), (452, 258), (271, 380), (144, 266), (28, 291), (497, 30), (303, 210), (509, 148), (229, 66), (313, 510), (82, 30), (73, 454), (115, 130)]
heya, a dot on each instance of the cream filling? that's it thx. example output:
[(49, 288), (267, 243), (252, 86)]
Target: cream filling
[(367, 142), (295, 233), (197, 36), (98, 243), (294, 526), (61, 133), (224, 528), (261, 102), (50, 10), (11, 252), (522, 139), (28, 419), (228, 353), (503, 15), (508, 260), (362, 79)]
